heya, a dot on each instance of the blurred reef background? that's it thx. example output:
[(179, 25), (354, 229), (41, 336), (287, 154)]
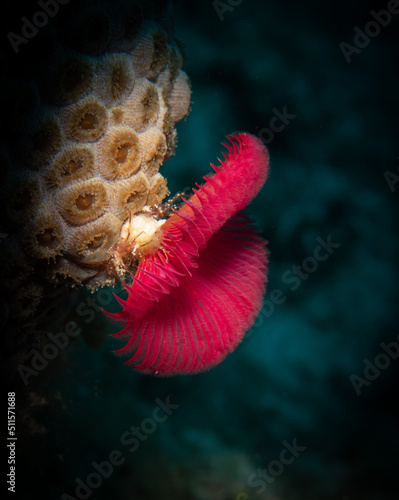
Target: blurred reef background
[(318, 372)]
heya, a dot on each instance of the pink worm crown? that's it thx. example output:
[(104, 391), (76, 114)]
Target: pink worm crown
[(192, 300)]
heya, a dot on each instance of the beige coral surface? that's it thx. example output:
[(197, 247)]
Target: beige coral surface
[(86, 131)]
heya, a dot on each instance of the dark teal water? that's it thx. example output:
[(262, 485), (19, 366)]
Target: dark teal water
[(306, 407)]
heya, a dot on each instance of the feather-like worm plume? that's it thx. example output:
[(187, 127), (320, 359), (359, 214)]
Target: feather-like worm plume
[(193, 299)]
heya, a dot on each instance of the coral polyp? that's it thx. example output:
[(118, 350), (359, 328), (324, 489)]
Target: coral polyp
[(143, 106), (83, 202), (72, 164), (177, 97), (92, 243), (152, 52), (85, 121), (45, 235), (158, 189), (115, 78), (132, 194), (154, 147), (120, 153)]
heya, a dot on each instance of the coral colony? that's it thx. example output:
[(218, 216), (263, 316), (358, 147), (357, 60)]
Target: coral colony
[(86, 123), (91, 152), (87, 129)]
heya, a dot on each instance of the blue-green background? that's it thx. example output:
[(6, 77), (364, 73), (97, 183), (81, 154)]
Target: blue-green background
[(290, 377)]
